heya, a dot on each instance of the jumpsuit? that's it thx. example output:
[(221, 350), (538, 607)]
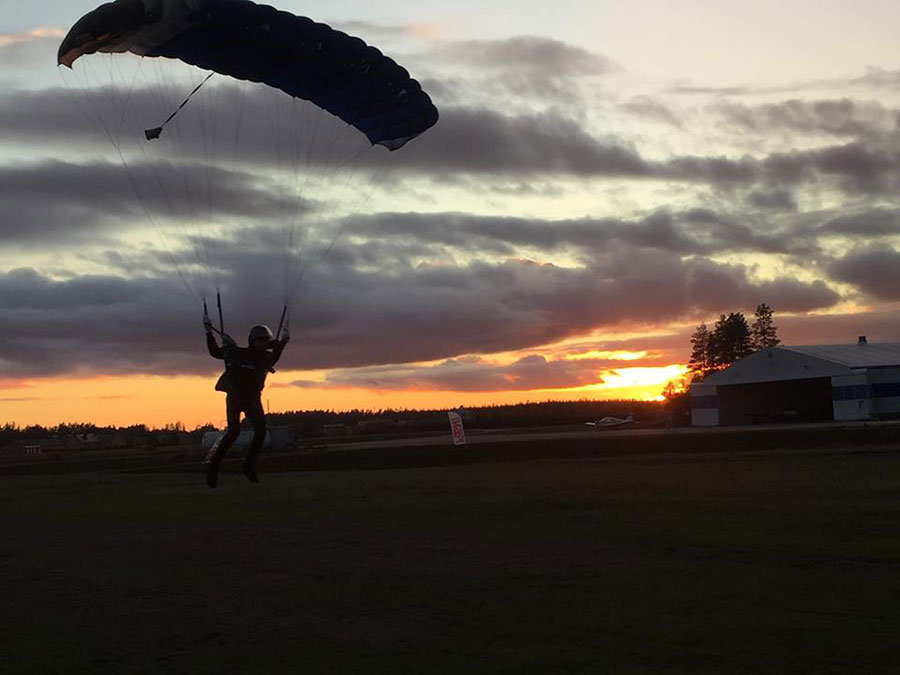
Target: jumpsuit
[(243, 381)]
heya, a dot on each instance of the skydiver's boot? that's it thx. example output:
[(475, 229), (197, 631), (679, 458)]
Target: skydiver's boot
[(212, 474), (249, 470), (211, 465), (215, 456), (249, 467)]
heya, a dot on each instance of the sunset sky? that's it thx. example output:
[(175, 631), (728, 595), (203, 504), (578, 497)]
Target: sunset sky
[(604, 177)]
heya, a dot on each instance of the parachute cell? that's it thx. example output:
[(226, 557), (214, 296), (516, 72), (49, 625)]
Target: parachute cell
[(238, 38)]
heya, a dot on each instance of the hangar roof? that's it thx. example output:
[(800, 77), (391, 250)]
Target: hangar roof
[(806, 362), (854, 356)]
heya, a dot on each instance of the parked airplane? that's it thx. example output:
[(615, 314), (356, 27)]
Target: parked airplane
[(607, 422)]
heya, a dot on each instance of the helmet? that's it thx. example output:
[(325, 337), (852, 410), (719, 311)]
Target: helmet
[(260, 332)]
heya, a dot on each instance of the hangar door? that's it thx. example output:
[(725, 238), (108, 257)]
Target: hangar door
[(768, 402)]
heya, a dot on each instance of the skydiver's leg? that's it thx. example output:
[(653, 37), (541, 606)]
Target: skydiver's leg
[(254, 412), (233, 415)]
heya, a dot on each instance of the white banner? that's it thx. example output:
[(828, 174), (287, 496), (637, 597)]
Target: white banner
[(456, 427)]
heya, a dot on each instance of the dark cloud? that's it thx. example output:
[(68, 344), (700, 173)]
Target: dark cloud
[(719, 171), (837, 117), (91, 325), (874, 78), (729, 286), (375, 31), (774, 200), (869, 223), (473, 374), (792, 295), (25, 289), (695, 231), (873, 269), (865, 168), (55, 201), (854, 167), (277, 132), (650, 109), (879, 78), (485, 142), (525, 53), (350, 314), (699, 89), (482, 141), (880, 326), (483, 308), (235, 123)]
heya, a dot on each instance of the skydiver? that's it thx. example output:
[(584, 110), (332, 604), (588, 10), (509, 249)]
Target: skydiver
[(243, 381)]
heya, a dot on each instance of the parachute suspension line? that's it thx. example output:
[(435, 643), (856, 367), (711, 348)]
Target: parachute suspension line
[(164, 91), (294, 251), (299, 285), (154, 133), (154, 88), (329, 162), (221, 200), (208, 123), (365, 198), (274, 103), (169, 250), (126, 105), (288, 249), (98, 116), (303, 187), (98, 119), (287, 127), (186, 169), (241, 91), (270, 105)]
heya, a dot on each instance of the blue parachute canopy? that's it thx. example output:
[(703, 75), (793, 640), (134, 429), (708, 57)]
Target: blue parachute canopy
[(238, 38)]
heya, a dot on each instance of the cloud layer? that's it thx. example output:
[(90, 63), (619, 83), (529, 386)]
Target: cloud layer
[(558, 196)]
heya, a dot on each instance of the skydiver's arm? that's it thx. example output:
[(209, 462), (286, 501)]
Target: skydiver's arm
[(276, 351), (215, 350)]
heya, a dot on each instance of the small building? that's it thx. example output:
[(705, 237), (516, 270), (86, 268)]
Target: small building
[(337, 429), (807, 383)]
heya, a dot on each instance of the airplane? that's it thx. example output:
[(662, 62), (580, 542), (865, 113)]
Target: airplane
[(608, 422)]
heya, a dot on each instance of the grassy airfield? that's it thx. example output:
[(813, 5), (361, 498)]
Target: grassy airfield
[(719, 562)]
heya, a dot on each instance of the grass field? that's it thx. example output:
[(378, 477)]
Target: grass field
[(779, 562)]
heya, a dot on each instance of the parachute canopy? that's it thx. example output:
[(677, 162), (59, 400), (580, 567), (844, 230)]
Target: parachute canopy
[(238, 38)]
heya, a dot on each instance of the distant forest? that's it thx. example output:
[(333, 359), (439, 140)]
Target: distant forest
[(314, 423)]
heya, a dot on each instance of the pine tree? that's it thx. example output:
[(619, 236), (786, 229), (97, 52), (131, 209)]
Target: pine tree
[(764, 332), (730, 340), (700, 363)]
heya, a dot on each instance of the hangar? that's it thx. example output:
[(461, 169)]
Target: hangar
[(805, 384)]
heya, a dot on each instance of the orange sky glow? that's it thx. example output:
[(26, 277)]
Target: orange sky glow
[(157, 401)]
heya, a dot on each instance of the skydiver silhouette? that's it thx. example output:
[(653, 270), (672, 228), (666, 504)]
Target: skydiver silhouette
[(243, 381)]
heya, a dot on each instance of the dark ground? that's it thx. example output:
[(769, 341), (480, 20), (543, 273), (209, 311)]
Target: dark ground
[(733, 561)]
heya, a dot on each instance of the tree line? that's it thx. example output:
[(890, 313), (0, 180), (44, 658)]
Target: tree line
[(357, 422), (731, 338)]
